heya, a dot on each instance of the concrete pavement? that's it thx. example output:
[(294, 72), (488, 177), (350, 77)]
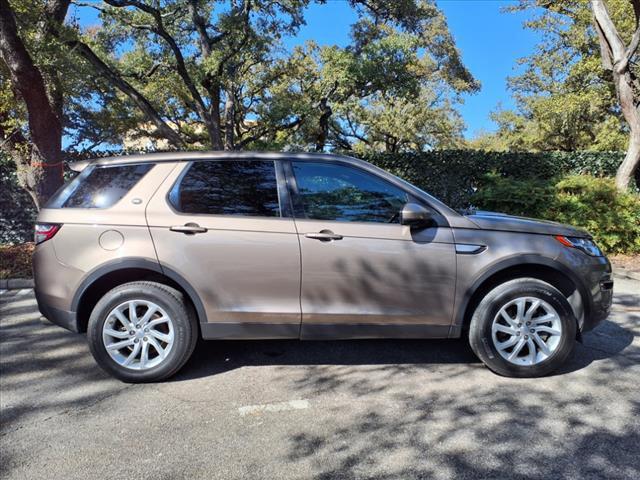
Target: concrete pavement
[(285, 409)]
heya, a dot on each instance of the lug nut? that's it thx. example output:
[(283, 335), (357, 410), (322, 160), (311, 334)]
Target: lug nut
[(519, 325), (137, 325), (532, 330), (144, 339), (146, 330), (528, 323), (136, 341), (526, 337), (518, 333), (131, 332)]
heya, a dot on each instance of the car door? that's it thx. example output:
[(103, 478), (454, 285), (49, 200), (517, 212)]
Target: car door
[(364, 274), (223, 225)]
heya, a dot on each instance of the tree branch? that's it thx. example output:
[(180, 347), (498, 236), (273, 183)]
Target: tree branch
[(125, 87)]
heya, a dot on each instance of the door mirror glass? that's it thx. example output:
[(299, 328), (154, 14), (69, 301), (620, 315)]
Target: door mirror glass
[(415, 215)]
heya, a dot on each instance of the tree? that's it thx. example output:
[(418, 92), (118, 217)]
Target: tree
[(36, 146), (206, 78), (618, 58), (564, 99)]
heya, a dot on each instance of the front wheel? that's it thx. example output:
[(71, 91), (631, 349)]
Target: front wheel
[(523, 328), (142, 332)]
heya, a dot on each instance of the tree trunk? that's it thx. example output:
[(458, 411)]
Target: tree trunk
[(617, 58), (40, 172), (229, 116), (323, 124)]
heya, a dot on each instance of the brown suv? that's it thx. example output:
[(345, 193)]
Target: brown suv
[(146, 253)]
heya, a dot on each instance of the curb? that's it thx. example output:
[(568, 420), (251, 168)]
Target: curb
[(16, 283)]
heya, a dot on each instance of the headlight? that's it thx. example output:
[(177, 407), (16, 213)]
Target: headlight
[(587, 245)]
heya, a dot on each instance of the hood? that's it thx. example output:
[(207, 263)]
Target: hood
[(510, 223)]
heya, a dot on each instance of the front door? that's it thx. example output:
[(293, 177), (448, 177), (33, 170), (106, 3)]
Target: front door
[(222, 225), (364, 274)]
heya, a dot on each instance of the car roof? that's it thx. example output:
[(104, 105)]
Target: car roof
[(209, 155)]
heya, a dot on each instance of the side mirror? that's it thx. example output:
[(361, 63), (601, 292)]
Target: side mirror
[(415, 215)]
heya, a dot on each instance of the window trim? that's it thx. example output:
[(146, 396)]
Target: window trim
[(284, 202), (298, 207)]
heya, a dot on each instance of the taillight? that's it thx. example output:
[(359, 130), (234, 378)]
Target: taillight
[(45, 231)]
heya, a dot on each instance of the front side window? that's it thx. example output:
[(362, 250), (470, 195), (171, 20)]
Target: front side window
[(228, 187), (99, 186), (345, 194)]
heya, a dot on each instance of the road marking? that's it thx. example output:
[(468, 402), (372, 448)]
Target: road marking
[(2, 292), (274, 407), (22, 292)]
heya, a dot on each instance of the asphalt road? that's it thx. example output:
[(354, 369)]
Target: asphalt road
[(356, 409)]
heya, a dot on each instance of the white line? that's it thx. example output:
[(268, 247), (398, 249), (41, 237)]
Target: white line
[(2, 292), (274, 407), (22, 292)]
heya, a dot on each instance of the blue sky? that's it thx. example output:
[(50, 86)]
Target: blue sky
[(490, 42)]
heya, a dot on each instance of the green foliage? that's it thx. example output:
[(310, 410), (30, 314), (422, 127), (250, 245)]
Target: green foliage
[(453, 176), (595, 205), (17, 210), (524, 197), (584, 201)]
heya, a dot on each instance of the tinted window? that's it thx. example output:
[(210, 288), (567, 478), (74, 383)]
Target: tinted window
[(345, 194), (228, 188), (99, 187)]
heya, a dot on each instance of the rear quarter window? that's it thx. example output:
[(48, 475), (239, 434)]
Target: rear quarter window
[(99, 187)]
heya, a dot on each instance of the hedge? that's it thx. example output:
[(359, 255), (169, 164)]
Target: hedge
[(453, 176)]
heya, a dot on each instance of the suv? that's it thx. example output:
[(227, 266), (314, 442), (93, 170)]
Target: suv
[(148, 253)]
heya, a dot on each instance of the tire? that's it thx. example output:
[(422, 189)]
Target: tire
[(175, 337), (495, 325)]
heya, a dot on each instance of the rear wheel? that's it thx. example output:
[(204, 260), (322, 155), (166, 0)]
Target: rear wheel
[(142, 332), (523, 328)]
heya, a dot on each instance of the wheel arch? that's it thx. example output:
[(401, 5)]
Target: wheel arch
[(541, 268), (117, 272)]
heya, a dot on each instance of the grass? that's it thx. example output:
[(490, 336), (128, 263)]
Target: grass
[(15, 260)]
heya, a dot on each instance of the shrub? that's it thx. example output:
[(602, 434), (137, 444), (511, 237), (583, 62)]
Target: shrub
[(594, 204), (583, 201)]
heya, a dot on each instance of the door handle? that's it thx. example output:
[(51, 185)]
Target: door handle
[(188, 228), (324, 236)]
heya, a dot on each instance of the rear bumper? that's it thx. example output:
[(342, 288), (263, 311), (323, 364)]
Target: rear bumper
[(63, 318)]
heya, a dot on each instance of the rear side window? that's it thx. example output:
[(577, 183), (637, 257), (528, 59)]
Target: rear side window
[(99, 187), (247, 188)]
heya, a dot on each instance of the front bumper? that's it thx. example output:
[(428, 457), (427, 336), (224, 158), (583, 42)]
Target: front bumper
[(601, 305)]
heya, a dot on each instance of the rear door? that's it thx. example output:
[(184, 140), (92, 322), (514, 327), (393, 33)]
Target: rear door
[(364, 274), (225, 227)]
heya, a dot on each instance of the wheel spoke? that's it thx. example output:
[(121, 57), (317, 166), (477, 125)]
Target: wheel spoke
[(156, 345), (531, 358), (132, 355), (163, 337), (543, 346), (508, 319), (504, 329), (532, 309), (133, 315), (545, 329), (507, 343), (516, 350), (144, 354), (520, 312), (123, 320), (119, 345), (116, 333), (148, 314), (157, 321)]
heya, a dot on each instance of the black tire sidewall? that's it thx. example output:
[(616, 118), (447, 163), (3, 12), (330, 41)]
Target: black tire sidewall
[(171, 302), (482, 340)]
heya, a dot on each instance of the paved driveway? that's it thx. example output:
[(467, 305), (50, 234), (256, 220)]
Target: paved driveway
[(356, 409)]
